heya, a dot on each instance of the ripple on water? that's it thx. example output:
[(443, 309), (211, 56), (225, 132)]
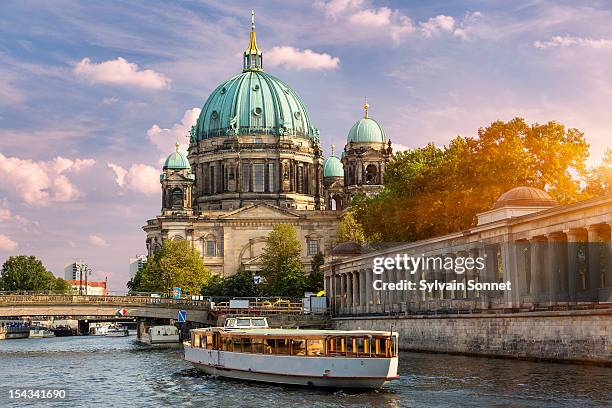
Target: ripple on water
[(118, 372)]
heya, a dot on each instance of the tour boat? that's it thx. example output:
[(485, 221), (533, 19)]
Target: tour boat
[(161, 335), (318, 358), (117, 331), (40, 333)]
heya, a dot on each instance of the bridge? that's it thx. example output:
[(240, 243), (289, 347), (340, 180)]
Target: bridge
[(202, 312)]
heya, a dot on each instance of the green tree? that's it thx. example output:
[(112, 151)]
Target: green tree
[(240, 284), (214, 287), (291, 281), (26, 273), (349, 230), (314, 282), (59, 285), (177, 264), (282, 245)]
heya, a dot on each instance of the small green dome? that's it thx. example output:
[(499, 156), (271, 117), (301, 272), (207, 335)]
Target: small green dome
[(332, 167), (177, 161), (254, 102), (366, 130)]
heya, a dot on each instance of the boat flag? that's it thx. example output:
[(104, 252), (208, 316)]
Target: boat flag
[(122, 311)]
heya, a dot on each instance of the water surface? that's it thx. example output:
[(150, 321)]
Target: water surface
[(117, 372)]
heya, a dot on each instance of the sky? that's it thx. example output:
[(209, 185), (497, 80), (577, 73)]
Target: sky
[(93, 95)]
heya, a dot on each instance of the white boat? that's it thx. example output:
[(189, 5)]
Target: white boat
[(166, 334), (117, 331), (39, 333), (98, 329), (319, 358)]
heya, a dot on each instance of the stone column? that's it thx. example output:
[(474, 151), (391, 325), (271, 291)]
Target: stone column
[(573, 238), (348, 284), (450, 277), (557, 267), (362, 291), (368, 290), (538, 269), (594, 253), (355, 291)]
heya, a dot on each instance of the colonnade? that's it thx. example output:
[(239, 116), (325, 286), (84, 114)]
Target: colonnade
[(559, 267)]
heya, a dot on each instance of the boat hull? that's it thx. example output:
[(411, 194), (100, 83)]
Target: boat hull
[(332, 372)]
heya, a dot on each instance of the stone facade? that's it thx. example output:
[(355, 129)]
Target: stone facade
[(580, 336), (558, 256)]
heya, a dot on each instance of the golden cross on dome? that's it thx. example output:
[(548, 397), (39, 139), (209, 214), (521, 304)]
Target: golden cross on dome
[(366, 106), (333, 146), (252, 19)]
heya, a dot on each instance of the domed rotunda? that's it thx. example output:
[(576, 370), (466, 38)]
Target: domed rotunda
[(254, 141)]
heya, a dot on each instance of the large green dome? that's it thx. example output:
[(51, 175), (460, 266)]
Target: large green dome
[(366, 130), (332, 167), (176, 161), (254, 102)]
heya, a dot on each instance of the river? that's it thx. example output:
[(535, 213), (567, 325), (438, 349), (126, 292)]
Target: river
[(117, 372)]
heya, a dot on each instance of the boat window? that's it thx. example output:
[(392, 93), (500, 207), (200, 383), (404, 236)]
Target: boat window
[(243, 322), (259, 322), (257, 345), (230, 322), (315, 347), (298, 347)]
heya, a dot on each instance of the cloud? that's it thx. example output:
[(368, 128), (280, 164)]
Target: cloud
[(139, 178), (98, 241), (434, 25), (7, 244), (121, 72), (334, 8), (396, 24), (293, 58), (398, 147), (165, 138), (111, 100), (570, 41), (41, 182)]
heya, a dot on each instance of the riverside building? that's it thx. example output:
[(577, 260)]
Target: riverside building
[(547, 255)]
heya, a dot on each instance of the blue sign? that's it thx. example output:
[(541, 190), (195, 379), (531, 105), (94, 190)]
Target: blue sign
[(182, 316), (176, 292)]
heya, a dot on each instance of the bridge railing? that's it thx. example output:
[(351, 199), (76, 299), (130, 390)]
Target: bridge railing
[(6, 299)]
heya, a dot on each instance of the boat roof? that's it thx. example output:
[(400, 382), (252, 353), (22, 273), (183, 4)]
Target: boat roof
[(298, 332)]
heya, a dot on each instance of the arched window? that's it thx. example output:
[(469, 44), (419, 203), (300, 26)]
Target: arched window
[(176, 198), (371, 174)]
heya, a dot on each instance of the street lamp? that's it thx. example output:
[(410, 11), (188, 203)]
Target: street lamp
[(84, 269)]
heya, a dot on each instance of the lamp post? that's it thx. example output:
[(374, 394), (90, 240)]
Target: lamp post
[(84, 269)]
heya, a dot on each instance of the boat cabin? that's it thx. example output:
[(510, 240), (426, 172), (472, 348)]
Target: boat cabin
[(246, 323), (307, 343)]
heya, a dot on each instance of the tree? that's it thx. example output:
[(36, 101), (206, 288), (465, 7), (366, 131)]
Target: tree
[(349, 230), (59, 285), (28, 273), (291, 280), (432, 191), (282, 246), (281, 265), (214, 287), (599, 182), (314, 282), (177, 264)]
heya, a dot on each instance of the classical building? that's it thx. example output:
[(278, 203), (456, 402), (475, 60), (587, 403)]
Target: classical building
[(254, 161), (552, 255)]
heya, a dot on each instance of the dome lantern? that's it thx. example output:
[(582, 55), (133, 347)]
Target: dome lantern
[(252, 55), (366, 129)]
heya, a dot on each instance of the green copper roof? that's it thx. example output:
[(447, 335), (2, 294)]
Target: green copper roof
[(251, 103), (332, 167), (366, 130), (176, 161)]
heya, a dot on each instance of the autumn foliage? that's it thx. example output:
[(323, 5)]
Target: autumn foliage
[(433, 191)]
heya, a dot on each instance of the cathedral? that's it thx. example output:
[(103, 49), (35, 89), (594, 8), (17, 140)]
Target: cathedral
[(254, 161)]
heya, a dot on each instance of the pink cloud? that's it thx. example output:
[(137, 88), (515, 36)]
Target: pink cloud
[(41, 182), (165, 138), (121, 72), (98, 241), (293, 58), (139, 178), (7, 244)]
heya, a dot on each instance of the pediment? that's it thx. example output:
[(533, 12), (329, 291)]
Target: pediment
[(257, 211)]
